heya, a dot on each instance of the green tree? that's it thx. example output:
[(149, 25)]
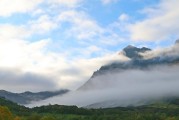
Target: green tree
[(34, 117), (17, 118), (47, 118)]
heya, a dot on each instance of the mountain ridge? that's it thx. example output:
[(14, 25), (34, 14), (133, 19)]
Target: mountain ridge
[(134, 52), (27, 97), (137, 62)]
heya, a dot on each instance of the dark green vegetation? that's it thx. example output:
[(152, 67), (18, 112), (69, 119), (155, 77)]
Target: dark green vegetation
[(158, 111)]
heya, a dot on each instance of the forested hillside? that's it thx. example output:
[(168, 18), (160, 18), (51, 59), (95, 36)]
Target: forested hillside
[(157, 111)]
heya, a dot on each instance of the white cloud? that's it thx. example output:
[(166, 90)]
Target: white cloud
[(161, 22), (9, 31), (8, 7), (86, 29), (42, 25), (66, 3), (38, 11), (169, 52), (108, 1), (19, 53), (34, 57), (123, 17), (82, 26)]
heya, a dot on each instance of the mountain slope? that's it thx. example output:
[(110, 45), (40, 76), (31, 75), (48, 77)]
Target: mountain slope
[(27, 97), (168, 56), (149, 76)]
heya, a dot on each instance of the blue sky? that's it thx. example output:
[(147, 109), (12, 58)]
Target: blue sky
[(60, 39)]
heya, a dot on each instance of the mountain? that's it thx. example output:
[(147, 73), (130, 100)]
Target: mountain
[(141, 80), (168, 56), (133, 52), (177, 41), (28, 97)]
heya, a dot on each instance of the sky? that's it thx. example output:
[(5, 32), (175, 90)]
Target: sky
[(54, 44)]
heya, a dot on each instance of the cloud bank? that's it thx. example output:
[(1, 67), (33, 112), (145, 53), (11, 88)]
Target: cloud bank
[(171, 52), (125, 88)]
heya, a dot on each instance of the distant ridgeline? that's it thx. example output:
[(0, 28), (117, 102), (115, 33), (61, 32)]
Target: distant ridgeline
[(28, 97), (137, 60)]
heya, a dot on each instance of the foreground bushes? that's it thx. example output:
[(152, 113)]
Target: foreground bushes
[(5, 114)]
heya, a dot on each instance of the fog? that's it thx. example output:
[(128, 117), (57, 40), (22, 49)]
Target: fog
[(125, 88), (170, 52)]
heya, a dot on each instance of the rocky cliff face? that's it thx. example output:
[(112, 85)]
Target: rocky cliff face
[(134, 52)]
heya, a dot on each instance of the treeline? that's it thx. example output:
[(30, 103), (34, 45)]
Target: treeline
[(158, 111)]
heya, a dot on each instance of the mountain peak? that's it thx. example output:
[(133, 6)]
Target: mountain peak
[(177, 41), (129, 47), (133, 52)]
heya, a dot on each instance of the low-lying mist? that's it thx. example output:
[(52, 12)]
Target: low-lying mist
[(129, 87)]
